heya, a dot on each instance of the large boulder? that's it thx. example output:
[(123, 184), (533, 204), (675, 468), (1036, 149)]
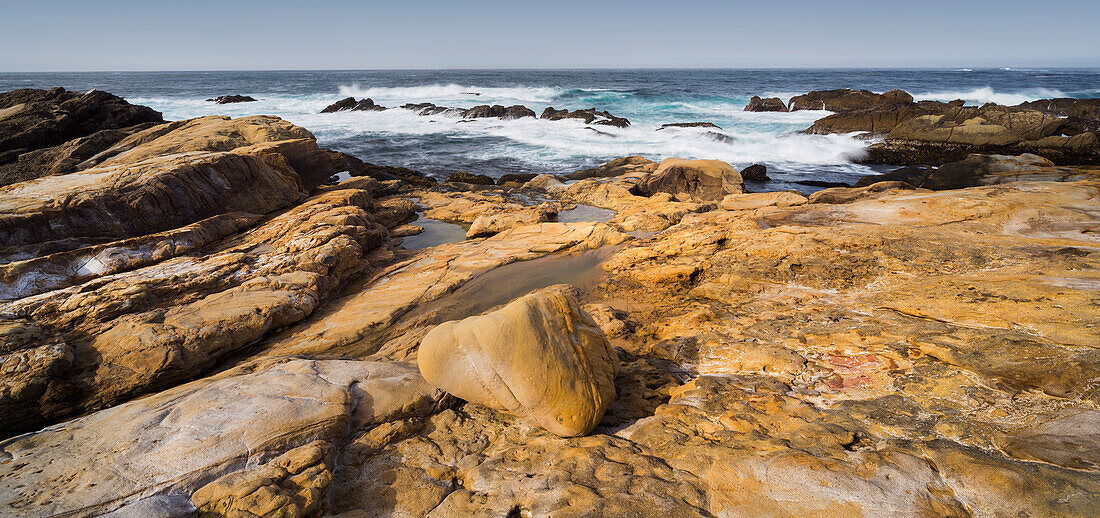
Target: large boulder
[(770, 104), (540, 357), (701, 180)]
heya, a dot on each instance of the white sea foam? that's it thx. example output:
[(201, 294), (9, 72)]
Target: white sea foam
[(987, 94), (451, 92)]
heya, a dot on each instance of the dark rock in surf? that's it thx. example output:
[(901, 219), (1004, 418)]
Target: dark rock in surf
[(229, 99), (589, 116), (498, 111), (848, 100), (770, 104), (350, 104), (755, 173), (689, 125), (821, 183)]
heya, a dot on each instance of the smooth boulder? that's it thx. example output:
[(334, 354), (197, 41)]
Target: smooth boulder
[(769, 104), (701, 180), (540, 357)]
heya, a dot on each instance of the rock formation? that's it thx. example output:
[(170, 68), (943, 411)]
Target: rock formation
[(196, 320), (45, 132), (689, 125), (847, 100)]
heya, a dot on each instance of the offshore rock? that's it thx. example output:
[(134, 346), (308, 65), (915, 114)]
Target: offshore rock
[(498, 111), (847, 100), (350, 104), (589, 116), (755, 173), (689, 125), (540, 357), (770, 104), (229, 99)]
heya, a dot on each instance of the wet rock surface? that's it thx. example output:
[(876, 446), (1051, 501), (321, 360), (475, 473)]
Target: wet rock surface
[(197, 320)]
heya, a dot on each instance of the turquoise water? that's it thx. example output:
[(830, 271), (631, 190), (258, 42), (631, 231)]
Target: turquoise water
[(440, 145)]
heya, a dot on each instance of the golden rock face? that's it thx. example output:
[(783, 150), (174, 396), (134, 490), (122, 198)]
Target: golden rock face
[(540, 357)]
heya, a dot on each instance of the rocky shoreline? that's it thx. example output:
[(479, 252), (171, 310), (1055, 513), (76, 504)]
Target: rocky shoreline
[(204, 318)]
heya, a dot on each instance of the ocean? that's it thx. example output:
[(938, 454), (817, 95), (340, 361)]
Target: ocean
[(439, 145)]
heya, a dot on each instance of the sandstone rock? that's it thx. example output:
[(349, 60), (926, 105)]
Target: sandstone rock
[(589, 116), (755, 173), (464, 177), (770, 104), (545, 182), (229, 99), (251, 164), (490, 224), (540, 357), (702, 180), (763, 199), (196, 440), (620, 166), (350, 104)]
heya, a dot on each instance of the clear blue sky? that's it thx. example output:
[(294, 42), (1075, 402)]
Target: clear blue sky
[(64, 35)]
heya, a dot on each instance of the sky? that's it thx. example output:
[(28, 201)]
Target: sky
[(65, 35)]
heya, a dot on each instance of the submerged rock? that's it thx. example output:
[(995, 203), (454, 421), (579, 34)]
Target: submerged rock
[(540, 357)]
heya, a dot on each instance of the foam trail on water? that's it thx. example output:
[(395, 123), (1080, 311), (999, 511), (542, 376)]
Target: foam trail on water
[(987, 94), (451, 92)]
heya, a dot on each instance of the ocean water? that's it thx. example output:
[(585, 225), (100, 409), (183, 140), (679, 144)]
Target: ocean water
[(439, 145)]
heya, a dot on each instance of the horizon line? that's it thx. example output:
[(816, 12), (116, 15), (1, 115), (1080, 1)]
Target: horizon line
[(522, 69)]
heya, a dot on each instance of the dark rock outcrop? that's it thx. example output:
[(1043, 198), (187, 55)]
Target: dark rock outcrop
[(589, 116), (515, 179), (498, 111), (350, 104), (848, 100), (33, 119), (464, 177), (755, 173), (769, 104), (976, 170), (229, 99), (1082, 114)]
